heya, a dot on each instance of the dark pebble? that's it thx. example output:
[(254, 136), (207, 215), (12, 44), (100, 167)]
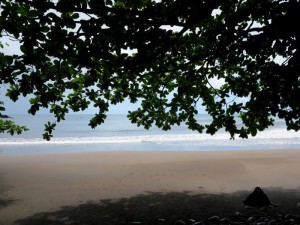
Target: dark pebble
[(179, 222), (250, 219), (225, 221), (191, 221), (237, 215), (198, 223), (289, 216), (271, 222), (214, 219)]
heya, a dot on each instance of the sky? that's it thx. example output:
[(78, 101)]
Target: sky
[(22, 105)]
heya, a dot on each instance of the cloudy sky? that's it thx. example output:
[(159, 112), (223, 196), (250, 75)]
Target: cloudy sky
[(22, 105)]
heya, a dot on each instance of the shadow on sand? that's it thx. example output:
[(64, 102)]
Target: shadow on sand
[(162, 208), (4, 201)]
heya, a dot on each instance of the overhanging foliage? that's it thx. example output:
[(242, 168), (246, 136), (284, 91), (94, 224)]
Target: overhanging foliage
[(82, 52), (7, 125)]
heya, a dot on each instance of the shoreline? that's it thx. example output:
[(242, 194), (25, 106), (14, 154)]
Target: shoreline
[(45, 182), (53, 149)]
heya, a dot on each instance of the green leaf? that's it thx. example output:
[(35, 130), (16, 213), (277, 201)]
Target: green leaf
[(168, 57)]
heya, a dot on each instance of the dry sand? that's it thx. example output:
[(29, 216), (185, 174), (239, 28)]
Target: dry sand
[(35, 183)]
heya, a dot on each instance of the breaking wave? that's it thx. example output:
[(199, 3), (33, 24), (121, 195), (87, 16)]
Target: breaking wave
[(269, 137)]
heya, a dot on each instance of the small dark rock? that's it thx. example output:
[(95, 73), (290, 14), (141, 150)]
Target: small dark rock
[(271, 222), (237, 215), (289, 216), (179, 222), (191, 221), (214, 219), (198, 223), (250, 219), (225, 221)]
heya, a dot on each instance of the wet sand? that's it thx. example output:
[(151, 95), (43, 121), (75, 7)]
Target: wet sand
[(30, 184)]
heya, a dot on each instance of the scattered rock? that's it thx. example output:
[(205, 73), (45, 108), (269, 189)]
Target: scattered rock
[(179, 222), (191, 221), (289, 216), (214, 219), (272, 222), (225, 221), (237, 215), (198, 223), (250, 219), (260, 218)]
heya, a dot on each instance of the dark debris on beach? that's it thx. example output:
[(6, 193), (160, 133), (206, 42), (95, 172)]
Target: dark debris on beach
[(176, 208), (236, 219), (262, 219)]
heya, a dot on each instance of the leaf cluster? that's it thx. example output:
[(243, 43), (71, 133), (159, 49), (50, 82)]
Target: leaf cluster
[(78, 53), (8, 126)]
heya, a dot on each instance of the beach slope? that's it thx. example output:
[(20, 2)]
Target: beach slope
[(31, 184)]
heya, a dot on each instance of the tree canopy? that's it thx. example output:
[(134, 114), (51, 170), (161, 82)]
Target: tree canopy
[(8, 126), (78, 53)]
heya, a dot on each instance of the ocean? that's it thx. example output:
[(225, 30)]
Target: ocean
[(119, 134)]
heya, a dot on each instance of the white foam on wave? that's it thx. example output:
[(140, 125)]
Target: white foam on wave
[(272, 136)]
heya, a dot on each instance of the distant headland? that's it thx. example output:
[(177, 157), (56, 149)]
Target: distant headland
[(4, 116)]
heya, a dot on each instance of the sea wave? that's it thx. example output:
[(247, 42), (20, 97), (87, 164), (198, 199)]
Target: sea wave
[(274, 137)]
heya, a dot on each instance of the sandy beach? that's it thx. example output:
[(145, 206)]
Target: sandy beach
[(30, 184)]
